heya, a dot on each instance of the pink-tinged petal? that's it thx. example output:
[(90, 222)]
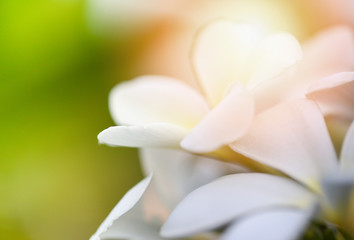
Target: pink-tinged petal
[(275, 54), (232, 196), (329, 52), (293, 138), (274, 91), (335, 94), (225, 123), (220, 56), (150, 135), (177, 173), (273, 224), (347, 153), (127, 220), (152, 99)]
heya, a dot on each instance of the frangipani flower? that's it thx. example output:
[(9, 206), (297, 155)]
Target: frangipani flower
[(293, 138), (230, 60), (171, 175), (240, 73)]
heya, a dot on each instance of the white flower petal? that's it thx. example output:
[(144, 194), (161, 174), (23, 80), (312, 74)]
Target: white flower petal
[(320, 60), (152, 99), (126, 220), (276, 53), (276, 90), (273, 224), (177, 173), (229, 197), (335, 94), (347, 153), (228, 121), (293, 138), (329, 52), (150, 135), (220, 56)]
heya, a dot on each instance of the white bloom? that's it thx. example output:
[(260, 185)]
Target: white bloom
[(293, 138), (230, 60), (172, 174), (240, 73)]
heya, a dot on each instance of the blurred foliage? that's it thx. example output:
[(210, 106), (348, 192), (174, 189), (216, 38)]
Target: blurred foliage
[(324, 231), (56, 181)]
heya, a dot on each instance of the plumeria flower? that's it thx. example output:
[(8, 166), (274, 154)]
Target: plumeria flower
[(230, 60), (171, 175), (241, 73), (293, 138)]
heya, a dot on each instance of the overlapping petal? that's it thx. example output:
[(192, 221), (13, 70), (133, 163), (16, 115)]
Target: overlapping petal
[(128, 215), (347, 153), (177, 173), (225, 123), (227, 198), (275, 54), (335, 94), (329, 52), (149, 135), (274, 224), (225, 52), (220, 56), (298, 142), (151, 99)]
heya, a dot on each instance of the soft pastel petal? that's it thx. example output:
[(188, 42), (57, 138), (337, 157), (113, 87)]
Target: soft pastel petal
[(126, 220), (220, 56), (329, 52), (274, 91), (229, 197), (293, 138), (335, 94), (275, 54), (152, 99), (320, 60), (225, 123), (347, 153), (273, 224), (177, 173), (150, 135)]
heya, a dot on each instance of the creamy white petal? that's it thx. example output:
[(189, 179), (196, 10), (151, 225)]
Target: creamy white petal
[(275, 54), (273, 224), (347, 153), (335, 94), (229, 197), (228, 121), (150, 135), (177, 173), (293, 138), (126, 220), (327, 53), (220, 56), (150, 99)]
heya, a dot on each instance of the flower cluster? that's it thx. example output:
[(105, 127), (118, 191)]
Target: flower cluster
[(248, 154)]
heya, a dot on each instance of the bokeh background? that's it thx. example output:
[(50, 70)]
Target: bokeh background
[(58, 61)]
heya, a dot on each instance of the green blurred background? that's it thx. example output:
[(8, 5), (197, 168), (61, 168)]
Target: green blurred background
[(56, 182)]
